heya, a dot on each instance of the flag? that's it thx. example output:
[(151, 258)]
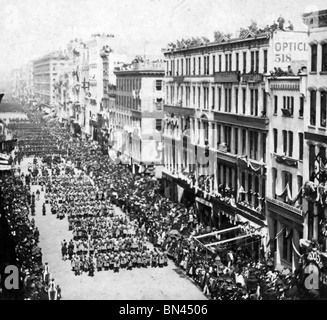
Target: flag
[(180, 192), (294, 248), (4, 156), (280, 233), (241, 190)]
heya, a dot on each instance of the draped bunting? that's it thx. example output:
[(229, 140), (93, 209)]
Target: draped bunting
[(291, 200), (315, 193), (279, 233), (180, 192), (295, 250), (288, 193), (283, 159), (321, 194), (249, 164), (283, 192), (241, 190)]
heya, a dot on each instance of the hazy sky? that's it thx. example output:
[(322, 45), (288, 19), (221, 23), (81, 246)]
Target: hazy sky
[(31, 28)]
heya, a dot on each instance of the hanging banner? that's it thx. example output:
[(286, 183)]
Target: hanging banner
[(4, 167), (4, 156)]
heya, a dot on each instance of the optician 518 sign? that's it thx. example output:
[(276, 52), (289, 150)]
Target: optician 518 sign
[(289, 47)]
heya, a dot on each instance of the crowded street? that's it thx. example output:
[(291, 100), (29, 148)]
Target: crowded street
[(184, 162), (100, 232), (136, 285)]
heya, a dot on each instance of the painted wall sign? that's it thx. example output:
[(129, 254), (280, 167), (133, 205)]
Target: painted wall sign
[(288, 48)]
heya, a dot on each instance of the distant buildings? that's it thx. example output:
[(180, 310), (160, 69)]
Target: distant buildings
[(22, 81), (44, 76)]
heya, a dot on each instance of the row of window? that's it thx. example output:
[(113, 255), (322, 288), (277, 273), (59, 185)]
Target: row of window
[(288, 143), (250, 184), (224, 133), (314, 57), (287, 179), (288, 106), (128, 84), (206, 65), (128, 102), (195, 98), (313, 106), (135, 84)]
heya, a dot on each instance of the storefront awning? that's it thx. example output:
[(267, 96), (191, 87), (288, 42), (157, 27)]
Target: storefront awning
[(217, 232), (228, 240)]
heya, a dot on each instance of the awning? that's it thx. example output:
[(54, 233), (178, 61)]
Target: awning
[(217, 232), (241, 219), (228, 240), (206, 203)]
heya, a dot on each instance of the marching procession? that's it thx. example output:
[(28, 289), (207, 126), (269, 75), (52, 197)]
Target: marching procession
[(85, 187)]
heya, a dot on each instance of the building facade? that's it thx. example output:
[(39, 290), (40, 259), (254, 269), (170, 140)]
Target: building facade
[(139, 113), (44, 76), (68, 92), (216, 125), (314, 168), (22, 82), (285, 159)]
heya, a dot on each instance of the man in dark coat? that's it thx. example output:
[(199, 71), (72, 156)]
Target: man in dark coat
[(64, 251), (36, 234)]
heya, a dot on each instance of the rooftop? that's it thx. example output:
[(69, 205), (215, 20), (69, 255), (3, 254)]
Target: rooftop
[(142, 66), (315, 19)]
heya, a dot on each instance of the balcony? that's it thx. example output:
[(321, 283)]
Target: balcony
[(136, 113), (178, 109), (178, 79), (286, 160), (244, 210), (258, 123), (284, 209), (227, 77), (252, 77)]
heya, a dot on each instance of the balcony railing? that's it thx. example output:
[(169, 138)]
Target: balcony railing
[(186, 111), (148, 66), (252, 77), (260, 123), (227, 77), (280, 204)]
